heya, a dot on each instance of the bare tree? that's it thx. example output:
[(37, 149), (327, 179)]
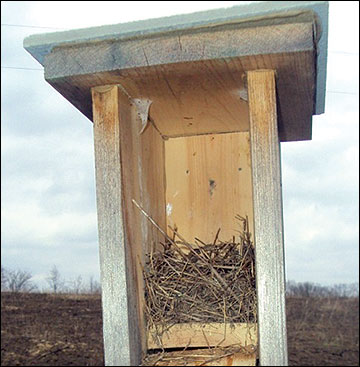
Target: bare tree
[(353, 289), (77, 285), (94, 286), (54, 280), (19, 281), (306, 289), (346, 290), (4, 279)]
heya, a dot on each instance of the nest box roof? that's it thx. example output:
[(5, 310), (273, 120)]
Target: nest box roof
[(195, 64)]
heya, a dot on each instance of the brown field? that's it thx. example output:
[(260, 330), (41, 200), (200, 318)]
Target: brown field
[(66, 330)]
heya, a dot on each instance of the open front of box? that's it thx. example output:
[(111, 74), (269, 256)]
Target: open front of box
[(186, 171), (194, 296)]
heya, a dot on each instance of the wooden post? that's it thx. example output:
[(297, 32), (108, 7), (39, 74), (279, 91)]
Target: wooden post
[(122, 344), (268, 222)]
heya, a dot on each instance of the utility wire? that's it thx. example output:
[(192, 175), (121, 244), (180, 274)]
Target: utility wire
[(29, 26), (335, 91), (20, 68), (344, 53)]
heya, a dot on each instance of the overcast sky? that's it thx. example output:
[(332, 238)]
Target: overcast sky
[(48, 198)]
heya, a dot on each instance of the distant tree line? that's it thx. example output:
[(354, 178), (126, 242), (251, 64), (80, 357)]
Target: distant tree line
[(308, 289), (22, 281)]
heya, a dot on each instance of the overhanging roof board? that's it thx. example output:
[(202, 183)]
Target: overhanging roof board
[(74, 61)]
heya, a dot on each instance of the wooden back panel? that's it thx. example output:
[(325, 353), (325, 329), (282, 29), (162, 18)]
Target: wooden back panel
[(208, 182)]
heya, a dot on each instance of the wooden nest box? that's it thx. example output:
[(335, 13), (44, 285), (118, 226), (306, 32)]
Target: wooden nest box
[(188, 114)]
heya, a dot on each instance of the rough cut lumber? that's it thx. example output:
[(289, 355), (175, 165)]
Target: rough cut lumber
[(129, 166), (203, 335), (117, 302), (268, 221)]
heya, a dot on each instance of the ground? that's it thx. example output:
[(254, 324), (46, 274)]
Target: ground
[(66, 330), (51, 330)]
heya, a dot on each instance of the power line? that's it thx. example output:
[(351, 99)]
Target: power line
[(335, 91), (28, 26), (344, 53), (20, 68)]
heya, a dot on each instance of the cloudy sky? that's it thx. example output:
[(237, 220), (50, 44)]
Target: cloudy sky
[(48, 198)]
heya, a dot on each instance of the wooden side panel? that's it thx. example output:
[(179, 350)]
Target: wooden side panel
[(129, 166), (121, 335), (208, 182), (268, 222), (151, 166), (204, 335)]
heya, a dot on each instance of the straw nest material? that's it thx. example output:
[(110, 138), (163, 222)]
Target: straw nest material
[(205, 283)]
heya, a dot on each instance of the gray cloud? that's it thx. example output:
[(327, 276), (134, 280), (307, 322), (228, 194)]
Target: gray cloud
[(327, 261)]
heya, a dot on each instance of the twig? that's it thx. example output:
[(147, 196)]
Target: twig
[(216, 358)]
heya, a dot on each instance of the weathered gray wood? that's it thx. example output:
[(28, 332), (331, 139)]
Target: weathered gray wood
[(120, 324), (268, 222), (220, 43)]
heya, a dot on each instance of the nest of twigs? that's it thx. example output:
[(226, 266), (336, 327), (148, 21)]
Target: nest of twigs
[(201, 283)]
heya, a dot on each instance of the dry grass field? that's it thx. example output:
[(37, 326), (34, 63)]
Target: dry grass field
[(66, 330)]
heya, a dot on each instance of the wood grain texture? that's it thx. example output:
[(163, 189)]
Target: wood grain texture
[(206, 357), (195, 80), (129, 166), (208, 182), (226, 41), (204, 335), (151, 167), (119, 336), (268, 222), (192, 98)]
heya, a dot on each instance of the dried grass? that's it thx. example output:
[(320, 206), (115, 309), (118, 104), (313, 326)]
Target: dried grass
[(201, 283)]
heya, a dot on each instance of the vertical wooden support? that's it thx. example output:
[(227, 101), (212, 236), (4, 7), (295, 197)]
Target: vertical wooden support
[(122, 344), (268, 222)]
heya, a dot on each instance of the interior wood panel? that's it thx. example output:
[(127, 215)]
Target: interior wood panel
[(151, 166), (192, 335), (192, 99), (208, 182)]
